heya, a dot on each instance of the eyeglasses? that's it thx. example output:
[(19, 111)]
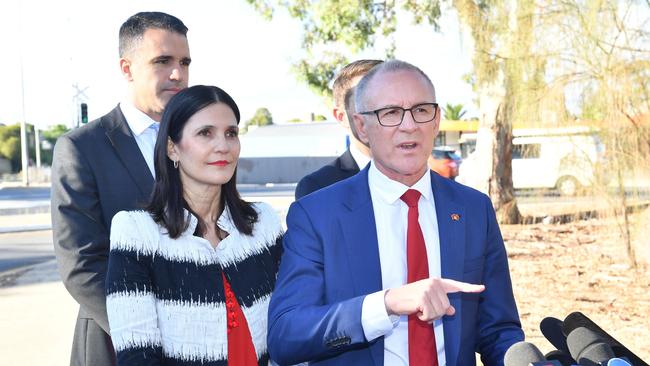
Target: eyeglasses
[(393, 116)]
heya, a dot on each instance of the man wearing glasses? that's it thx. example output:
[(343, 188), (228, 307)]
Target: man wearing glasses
[(411, 270)]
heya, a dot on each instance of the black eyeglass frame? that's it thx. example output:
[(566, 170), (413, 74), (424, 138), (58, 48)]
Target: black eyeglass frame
[(377, 111)]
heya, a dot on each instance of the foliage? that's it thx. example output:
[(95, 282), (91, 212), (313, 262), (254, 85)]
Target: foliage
[(529, 55), (453, 112), (319, 118), (10, 143), (336, 29), (262, 117)]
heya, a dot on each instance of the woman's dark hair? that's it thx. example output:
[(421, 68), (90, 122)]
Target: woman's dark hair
[(167, 201)]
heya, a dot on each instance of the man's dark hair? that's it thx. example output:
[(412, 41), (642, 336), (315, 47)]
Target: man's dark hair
[(167, 202), (133, 29)]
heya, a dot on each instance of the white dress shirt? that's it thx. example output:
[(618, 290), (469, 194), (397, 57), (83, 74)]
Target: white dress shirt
[(145, 137), (391, 218), (360, 158)]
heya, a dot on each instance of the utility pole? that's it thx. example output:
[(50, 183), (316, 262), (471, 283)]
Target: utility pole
[(37, 148), (24, 156)]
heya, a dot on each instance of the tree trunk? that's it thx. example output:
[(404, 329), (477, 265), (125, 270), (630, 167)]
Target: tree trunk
[(493, 164), (501, 189)]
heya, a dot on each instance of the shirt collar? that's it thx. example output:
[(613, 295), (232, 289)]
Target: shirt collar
[(137, 120), (390, 191), (224, 222), (360, 158)]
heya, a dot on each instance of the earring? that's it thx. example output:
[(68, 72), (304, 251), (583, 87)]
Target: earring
[(175, 164)]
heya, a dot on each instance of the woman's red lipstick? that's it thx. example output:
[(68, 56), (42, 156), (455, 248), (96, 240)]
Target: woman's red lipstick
[(219, 163)]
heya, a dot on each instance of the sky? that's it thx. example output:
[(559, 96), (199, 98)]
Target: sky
[(70, 46)]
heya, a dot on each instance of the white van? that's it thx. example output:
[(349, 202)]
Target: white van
[(564, 159)]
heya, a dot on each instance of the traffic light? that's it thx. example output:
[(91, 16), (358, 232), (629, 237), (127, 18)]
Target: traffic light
[(84, 113)]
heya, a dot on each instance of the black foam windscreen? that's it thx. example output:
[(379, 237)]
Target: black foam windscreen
[(551, 328), (578, 319), (562, 356), (588, 348), (522, 354)]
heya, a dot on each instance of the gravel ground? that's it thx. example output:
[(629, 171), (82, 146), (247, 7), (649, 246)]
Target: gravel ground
[(582, 266)]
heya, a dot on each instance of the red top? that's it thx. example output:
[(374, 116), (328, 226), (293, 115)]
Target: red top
[(241, 351)]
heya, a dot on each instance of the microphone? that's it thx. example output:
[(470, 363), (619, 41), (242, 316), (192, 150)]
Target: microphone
[(588, 348), (552, 329), (525, 354), (618, 362), (561, 356), (578, 319)]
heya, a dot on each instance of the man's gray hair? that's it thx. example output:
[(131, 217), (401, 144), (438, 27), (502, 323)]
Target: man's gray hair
[(360, 102)]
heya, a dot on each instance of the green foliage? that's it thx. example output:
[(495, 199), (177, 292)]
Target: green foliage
[(319, 118), (53, 133), (318, 73), (262, 117), (453, 112), (10, 143), (294, 120), (336, 28)]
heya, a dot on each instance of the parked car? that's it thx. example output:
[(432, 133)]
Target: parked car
[(566, 160), (445, 161)]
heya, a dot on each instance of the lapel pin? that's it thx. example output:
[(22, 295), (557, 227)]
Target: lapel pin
[(455, 217)]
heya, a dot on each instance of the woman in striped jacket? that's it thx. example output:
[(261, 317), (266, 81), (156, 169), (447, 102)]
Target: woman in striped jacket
[(190, 277)]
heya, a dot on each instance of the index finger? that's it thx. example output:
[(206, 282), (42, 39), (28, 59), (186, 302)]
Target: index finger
[(452, 286)]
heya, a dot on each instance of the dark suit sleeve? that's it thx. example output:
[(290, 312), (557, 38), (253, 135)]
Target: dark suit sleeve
[(499, 325), (306, 186), (302, 327), (80, 236)]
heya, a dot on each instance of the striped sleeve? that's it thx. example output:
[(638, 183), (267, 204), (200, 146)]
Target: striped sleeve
[(130, 301)]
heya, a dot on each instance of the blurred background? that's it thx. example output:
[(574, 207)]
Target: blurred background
[(546, 108)]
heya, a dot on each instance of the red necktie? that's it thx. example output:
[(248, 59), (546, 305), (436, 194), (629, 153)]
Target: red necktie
[(422, 341)]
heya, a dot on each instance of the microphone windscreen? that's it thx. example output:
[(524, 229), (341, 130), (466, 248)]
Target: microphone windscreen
[(522, 354), (563, 357), (578, 319), (552, 329), (588, 348), (618, 362)]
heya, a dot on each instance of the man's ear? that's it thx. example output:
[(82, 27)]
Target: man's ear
[(360, 127), (340, 116), (125, 68), (436, 121), (171, 150)]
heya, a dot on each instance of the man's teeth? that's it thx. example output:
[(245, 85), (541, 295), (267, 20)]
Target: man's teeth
[(408, 146)]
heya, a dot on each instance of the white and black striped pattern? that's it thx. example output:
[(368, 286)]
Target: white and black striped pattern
[(165, 297)]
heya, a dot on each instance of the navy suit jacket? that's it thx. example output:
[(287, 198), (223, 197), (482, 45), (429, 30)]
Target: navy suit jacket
[(341, 168), (331, 262)]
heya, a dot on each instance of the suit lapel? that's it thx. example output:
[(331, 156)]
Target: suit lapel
[(451, 231), (347, 163), (119, 134), (360, 236)]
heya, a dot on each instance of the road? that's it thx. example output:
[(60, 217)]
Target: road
[(25, 248), (21, 200)]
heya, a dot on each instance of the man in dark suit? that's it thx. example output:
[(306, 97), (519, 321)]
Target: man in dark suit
[(107, 166), (358, 153), (395, 265)]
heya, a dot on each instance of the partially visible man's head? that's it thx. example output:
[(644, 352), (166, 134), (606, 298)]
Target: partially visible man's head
[(346, 80), (343, 92), (154, 59), (399, 151)]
